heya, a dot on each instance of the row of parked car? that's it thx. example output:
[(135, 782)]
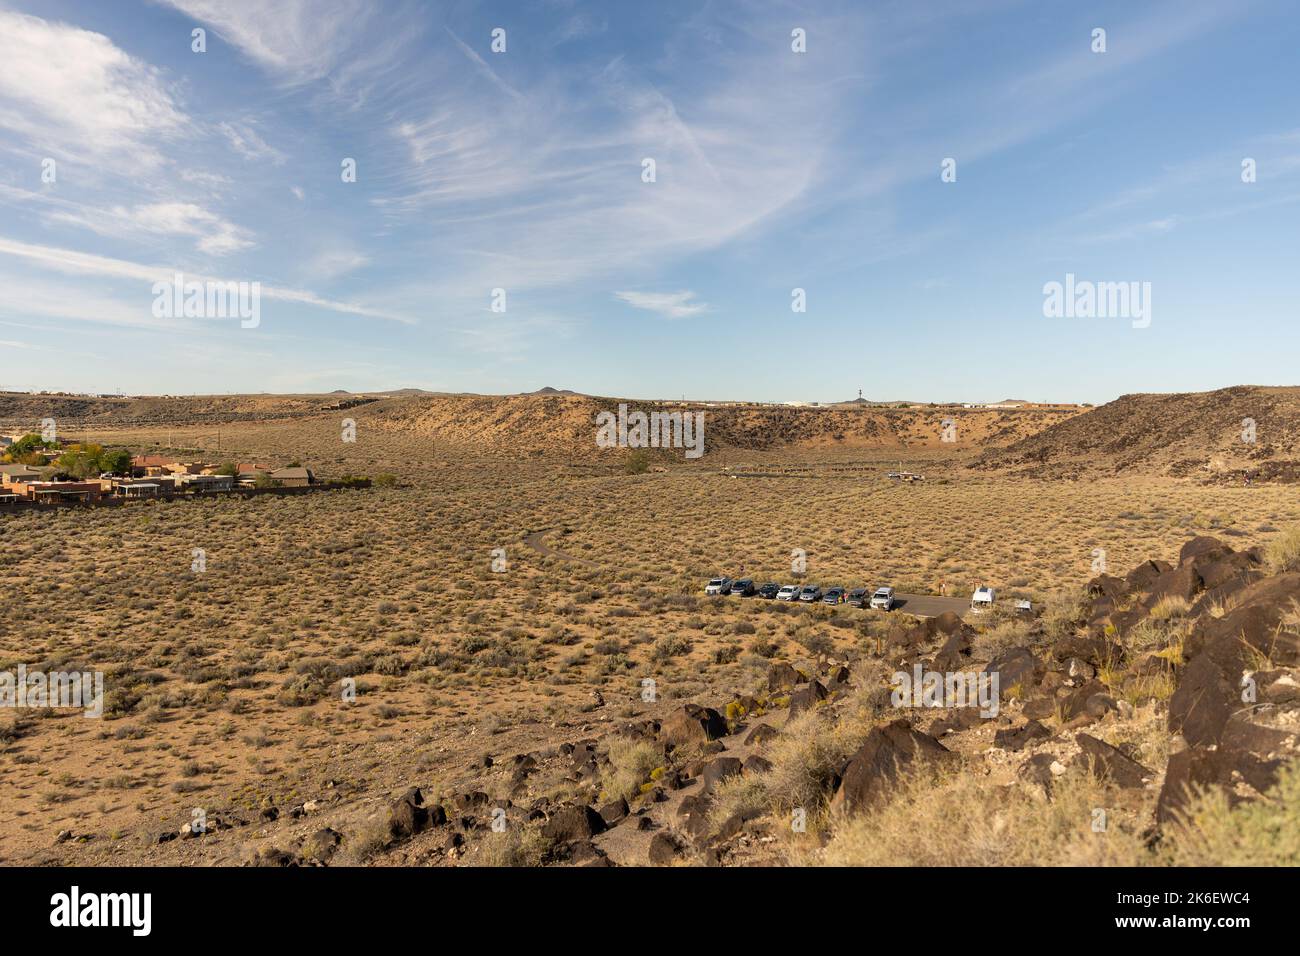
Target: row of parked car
[(882, 599)]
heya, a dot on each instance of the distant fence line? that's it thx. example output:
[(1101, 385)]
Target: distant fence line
[(13, 507)]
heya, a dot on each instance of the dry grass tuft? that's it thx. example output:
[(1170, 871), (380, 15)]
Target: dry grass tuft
[(957, 819)]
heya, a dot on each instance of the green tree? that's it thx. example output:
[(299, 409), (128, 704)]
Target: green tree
[(117, 462), (83, 461), (28, 445)]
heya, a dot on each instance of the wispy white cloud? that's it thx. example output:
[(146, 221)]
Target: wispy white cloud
[(248, 142), (213, 234), (730, 155), (302, 39), (73, 92), (72, 261), (671, 305)]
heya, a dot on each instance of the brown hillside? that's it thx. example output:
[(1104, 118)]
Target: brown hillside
[(541, 425), (1197, 435), (565, 424)]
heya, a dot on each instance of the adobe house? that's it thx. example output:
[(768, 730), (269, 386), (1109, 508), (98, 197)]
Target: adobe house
[(294, 477), (134, 488), (149, 466), (20, 473), (52, 492)]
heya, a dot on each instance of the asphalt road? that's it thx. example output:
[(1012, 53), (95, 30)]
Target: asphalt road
[(928, 605), (921, 605)]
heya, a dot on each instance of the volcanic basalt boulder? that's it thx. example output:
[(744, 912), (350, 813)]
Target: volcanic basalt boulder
[(692, 725), (870, 774), (1111, 763), (807, 697), (1015, 667), (573, 823)]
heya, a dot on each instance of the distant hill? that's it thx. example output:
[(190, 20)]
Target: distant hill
[(870, 403), (549, 423), (564, 425), (547, 390), (1195, 435)]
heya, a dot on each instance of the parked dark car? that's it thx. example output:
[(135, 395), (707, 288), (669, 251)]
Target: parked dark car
[(810, 593), (744, 587), (858, 597), (833, 596), (769, 590)]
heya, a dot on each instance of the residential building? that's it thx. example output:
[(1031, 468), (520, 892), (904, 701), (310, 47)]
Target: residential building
[(296, 477), (204, 483), (134, 487), (51, 492), (21, 473)]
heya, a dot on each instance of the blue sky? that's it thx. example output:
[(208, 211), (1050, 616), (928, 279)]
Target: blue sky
[(522, 170)]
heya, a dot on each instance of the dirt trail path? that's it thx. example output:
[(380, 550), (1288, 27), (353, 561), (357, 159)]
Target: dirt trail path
[(537, 542)]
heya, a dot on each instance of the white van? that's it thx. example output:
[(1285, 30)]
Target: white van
[(982, 599)]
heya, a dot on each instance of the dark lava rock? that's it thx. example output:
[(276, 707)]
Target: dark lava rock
[(614, 811), (664, 848), (1110, 763), (874, 768), (693, 725), (761, 735), (807, 697), (1017, 738), (719, 770), (573, 824)]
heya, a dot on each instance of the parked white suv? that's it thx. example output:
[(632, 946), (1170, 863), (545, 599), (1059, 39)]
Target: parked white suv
[(718, 586), (788, 593), (883, 599)]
